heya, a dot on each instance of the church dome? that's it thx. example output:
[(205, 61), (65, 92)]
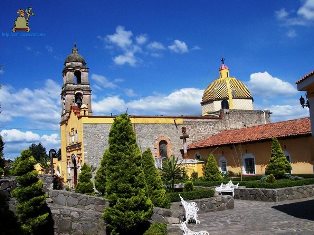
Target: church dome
[(75, 57), (224, 86)]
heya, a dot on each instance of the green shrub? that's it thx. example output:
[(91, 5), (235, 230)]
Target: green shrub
[(171, 171), (100, 178), (270, 179), (129, 205), (278, 164), (210, 183), (282, 183), (32, 210), (157, 229), (188, 186), (85, 184), (211, 170), (155, 187), (196, 194), (194, 175)]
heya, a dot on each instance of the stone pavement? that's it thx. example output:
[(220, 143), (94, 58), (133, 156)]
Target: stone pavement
[(255, 217)]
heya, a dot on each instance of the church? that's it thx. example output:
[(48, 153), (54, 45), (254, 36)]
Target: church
[(226, 104)]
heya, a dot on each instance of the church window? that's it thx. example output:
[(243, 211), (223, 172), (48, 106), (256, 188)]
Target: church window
[(163, 149), (248, 164), (288, 157), (77, 74)]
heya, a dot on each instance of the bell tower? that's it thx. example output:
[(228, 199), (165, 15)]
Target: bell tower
[(76, 89)]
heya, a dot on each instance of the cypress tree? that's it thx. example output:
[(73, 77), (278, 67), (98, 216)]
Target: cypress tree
[(100, 178), (129, 206), (1, 156), (32, 210), (85, 185), (155, 187), (278, 164), (211, 170)]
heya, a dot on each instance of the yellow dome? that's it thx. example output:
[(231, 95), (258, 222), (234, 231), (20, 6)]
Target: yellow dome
[(225, 85)]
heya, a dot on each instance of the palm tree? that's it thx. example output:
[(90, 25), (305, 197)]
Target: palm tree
[(171, 171)]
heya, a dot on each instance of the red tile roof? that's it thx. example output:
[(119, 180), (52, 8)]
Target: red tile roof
[(305, 77), (297, 127)]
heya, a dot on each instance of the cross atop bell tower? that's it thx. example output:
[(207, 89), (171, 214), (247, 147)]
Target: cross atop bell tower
[(76, 89)]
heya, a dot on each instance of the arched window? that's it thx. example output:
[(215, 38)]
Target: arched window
[(77, 74), (223, 164), (79, 99), (248, 164), (163, 149), (224, 104)]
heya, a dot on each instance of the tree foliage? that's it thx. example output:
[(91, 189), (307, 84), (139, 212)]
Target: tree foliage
[(155, 187), (32, 210), (171, 171), (211, 170), (278, 164), (1, 156), (100, 178), (85, 184), (39, 153), (129, 205)]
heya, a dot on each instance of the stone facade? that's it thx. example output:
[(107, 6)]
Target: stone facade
[(95, 136), (274, 195)]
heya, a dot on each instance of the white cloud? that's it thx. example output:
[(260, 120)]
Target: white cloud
[(121, 37), (130, 92), (141, 39), (128, 48), (281, 14), (185, 101), (264, 84), (302, 16), (291, 33), (102, 81), (282, 112), (40, 107), (179, 47), (16, 141), (156, 46), (109, 105), (126, 58), (307, 10)]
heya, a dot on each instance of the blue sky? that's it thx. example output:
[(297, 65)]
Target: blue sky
[(152, 57)]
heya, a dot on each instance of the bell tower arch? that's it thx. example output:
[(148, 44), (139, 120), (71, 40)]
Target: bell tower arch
[(76, 89)]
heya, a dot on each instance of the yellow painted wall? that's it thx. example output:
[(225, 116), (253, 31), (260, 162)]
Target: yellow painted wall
[(300, 149), (191, 167)]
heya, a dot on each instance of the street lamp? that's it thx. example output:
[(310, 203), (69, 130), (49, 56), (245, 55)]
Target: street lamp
[(52, 154), (303, 103)]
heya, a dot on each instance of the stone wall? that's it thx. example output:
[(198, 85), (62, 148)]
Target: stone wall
[(177, 212), (77, 200), (274, 195), (95, 136)]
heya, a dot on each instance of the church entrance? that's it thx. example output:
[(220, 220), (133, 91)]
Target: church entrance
[(74, 162)]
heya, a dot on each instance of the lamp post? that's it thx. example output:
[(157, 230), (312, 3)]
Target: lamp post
[(303, 103), (52, 154)]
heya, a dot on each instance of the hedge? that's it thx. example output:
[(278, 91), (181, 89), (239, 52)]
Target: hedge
[(210, 183), (278, 184), (196, 194), (157, 229)]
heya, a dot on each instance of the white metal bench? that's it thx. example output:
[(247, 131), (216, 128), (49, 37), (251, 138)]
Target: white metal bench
[(227, 188), (191, 210), (187, 231)]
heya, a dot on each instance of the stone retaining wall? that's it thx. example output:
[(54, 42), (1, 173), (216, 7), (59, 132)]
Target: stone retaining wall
[(77, 200), (176, 211), (274, 195)]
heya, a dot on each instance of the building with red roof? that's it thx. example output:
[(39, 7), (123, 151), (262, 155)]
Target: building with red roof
[(249, 149)]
